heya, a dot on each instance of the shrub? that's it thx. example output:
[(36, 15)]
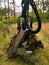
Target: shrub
[(10, 20)]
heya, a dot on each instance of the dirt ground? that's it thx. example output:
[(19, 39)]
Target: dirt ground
[(45, 28)]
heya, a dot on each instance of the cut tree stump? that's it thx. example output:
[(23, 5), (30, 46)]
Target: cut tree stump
[(18, 39)]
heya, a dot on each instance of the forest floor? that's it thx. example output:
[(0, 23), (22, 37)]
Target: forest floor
[(42, 54)]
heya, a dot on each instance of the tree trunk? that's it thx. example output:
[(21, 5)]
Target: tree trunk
[(8, 8), (14, 8)]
